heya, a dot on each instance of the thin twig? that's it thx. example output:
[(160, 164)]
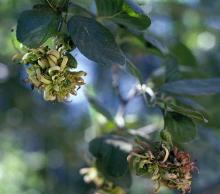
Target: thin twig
[(67, 10), (120, 115), (64, 19), (108, 17), (115, 84), (49, 3)]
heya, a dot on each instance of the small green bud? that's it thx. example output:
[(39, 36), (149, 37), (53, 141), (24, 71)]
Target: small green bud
[(28, 58), (72, 63), (166, 136)]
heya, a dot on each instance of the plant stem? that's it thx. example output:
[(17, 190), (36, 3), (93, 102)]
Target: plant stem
[(64, 19), (50, 4), (120, 115), (107, 17)]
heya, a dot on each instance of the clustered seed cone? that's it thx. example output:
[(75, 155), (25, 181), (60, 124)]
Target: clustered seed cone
[(171, 167), (51, 71)]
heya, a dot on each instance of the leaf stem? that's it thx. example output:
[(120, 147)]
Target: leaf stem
[(108, 17), (51, 5), (64, 19)]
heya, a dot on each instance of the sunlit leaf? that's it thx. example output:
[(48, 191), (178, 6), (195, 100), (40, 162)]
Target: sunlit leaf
[(132, 17), (108, 7), (123, 14), (132, 22), (134, 6)]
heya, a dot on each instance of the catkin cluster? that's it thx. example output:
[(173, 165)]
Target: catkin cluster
[(51, 71), (171, 167)]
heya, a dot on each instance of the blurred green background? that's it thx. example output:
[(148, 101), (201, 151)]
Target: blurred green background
[(43, 145)]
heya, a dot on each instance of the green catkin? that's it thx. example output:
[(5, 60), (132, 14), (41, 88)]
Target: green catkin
[(51, 71)]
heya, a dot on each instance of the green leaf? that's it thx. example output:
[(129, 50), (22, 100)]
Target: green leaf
[(153, 46), (182, 128), (41, 6), (85, 4), (123, 14), (36, 26), (166, 136), (186, 111), (100, 108), (190, 103), (80, 9), (53, 4), (183, 54), (37, 1), (134, 6), (111, 158), (132, 17), (193, 87), (132, 22), (108, 7), (138, 44), (172, 70), (133, 70), (132, 46), (140, 169), (59, 3), (95, 41)]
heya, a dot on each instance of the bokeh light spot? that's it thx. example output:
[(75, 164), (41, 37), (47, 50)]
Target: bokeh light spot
[(4, 72), (206, 40)]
